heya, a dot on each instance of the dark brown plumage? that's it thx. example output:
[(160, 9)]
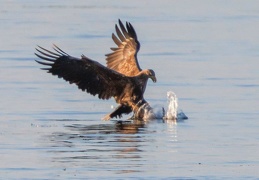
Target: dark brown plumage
[(96, 79)]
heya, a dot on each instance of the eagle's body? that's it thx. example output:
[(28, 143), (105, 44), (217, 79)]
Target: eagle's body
[(124, 85)]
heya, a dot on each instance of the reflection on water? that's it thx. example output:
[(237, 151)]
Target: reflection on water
[(119, 137), (120, 145), (172, 129)]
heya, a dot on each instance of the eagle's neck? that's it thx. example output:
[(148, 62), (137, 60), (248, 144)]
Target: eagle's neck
[(142, 80), (143, 75)]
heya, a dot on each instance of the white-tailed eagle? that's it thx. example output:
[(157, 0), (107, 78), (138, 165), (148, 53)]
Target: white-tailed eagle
[(122, 79)]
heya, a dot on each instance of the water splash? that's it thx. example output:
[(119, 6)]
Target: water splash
[(158, 112), (172, 101), (172, 112), (147, 111)]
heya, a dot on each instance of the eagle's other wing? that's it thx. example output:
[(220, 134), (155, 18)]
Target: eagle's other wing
[(123, 59), (88, 75)]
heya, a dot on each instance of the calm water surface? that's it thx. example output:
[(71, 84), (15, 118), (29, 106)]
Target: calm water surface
[(206, 52)]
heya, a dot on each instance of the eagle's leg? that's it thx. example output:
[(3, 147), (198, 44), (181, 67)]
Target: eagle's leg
[(121, 109), (107, 117)]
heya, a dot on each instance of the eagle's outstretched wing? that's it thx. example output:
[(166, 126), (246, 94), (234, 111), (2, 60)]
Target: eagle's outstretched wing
[(87, 74), (123, 59)]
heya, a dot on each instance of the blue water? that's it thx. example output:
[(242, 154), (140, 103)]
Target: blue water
[(205, 52)]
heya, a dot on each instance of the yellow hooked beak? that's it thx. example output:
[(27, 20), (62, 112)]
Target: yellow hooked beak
[(153, 78)]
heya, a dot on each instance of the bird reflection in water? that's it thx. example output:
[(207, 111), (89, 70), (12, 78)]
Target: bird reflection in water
[(119, 146), (79, 141), (129, 127)]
